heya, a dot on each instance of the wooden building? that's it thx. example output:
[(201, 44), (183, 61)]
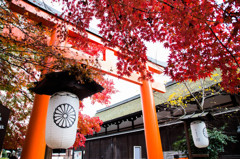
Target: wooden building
[(122, 133)]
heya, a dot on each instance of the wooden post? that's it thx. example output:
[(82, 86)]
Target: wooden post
[(187, 139), (48, 153), (151, 129)]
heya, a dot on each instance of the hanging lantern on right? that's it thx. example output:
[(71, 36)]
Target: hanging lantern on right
[(199, 134)]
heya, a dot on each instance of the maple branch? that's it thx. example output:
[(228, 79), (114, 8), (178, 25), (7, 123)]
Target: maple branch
[(231, 14), (26, 95), (118, 21), (183, 109), (24, 69), (222, 44), (198, 104), (20, 59), (25, 31), (138, 9), (203, 93), (168, 4)]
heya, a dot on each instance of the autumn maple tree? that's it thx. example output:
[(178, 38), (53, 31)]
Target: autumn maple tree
[(21, 63), (202, 35)]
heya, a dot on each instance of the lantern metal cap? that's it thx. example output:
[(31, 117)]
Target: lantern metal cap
[(64, 81)]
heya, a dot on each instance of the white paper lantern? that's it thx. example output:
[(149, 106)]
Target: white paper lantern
[(199, 134), (62, 119)]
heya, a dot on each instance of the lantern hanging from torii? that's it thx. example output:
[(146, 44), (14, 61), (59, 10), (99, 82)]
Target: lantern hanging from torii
[(62, 115)]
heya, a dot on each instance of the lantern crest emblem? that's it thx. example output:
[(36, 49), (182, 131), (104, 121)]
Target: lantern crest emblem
[(64, 115)]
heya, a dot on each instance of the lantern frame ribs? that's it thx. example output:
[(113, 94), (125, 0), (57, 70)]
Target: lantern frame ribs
[(67, 82)]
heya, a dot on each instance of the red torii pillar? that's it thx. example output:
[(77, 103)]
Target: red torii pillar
[(151, 129), (34, 144)]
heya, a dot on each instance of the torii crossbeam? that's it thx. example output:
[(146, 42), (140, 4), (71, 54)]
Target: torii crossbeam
[(34, 146)]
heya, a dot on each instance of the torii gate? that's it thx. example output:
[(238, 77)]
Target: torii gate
[(34, 146)]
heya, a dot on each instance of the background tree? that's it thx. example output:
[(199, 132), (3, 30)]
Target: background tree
[(195, 92), (21, 62), (201, 35)]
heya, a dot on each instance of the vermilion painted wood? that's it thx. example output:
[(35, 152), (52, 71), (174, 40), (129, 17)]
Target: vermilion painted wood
[(152, 134), (34, 144)]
